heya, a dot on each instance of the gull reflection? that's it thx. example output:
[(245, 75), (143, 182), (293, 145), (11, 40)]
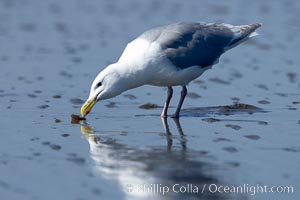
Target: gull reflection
[(169, 134), (157, 172)]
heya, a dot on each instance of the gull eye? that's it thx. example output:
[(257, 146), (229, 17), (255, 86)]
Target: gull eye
[(98, 84)]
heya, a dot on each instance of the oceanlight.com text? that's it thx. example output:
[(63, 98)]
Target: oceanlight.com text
[(157, 188)]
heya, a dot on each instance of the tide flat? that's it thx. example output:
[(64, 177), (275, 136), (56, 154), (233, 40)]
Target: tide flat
[(47, 65)]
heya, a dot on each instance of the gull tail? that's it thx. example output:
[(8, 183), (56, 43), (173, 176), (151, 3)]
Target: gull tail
[(242, 33)]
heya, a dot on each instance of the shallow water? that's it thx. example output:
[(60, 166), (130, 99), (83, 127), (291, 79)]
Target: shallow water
[(51, 50)]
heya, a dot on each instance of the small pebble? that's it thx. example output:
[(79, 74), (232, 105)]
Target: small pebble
[(292, 77), (130, 96), (43, 106), (234, 127), (55, 147), (210, 120), (193, 95), (57, 120), (56, 96), (220, 81), (252, 137), (263, 102), (149, 106), (65, 135), (221, 140), (230, 149), (111, 105), (45, 143), (262, 123), (32, 95), (234, 164)]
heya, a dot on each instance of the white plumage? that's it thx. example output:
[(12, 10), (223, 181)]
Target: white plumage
[(167, 56)]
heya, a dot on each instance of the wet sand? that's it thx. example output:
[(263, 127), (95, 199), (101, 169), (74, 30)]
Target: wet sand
[(240, 123)]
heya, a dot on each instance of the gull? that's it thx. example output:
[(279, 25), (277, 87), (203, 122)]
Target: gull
[(167, 56)]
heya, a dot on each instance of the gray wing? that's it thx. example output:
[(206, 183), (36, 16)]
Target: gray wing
[(190, 44)]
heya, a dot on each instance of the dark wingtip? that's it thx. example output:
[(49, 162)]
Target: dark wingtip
[(256, 25), (248, 29)]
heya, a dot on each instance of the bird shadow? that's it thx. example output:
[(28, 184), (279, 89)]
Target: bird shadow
[(234, 109)]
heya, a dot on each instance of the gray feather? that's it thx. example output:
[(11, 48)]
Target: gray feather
[(190, 44)]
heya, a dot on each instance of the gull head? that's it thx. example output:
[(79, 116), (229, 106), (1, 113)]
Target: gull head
[(107, 84)]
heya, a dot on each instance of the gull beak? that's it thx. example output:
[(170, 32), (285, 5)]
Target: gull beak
[(87, 106)]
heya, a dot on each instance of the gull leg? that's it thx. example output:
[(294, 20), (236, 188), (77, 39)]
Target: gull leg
[(165, 110), (182, 97)]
